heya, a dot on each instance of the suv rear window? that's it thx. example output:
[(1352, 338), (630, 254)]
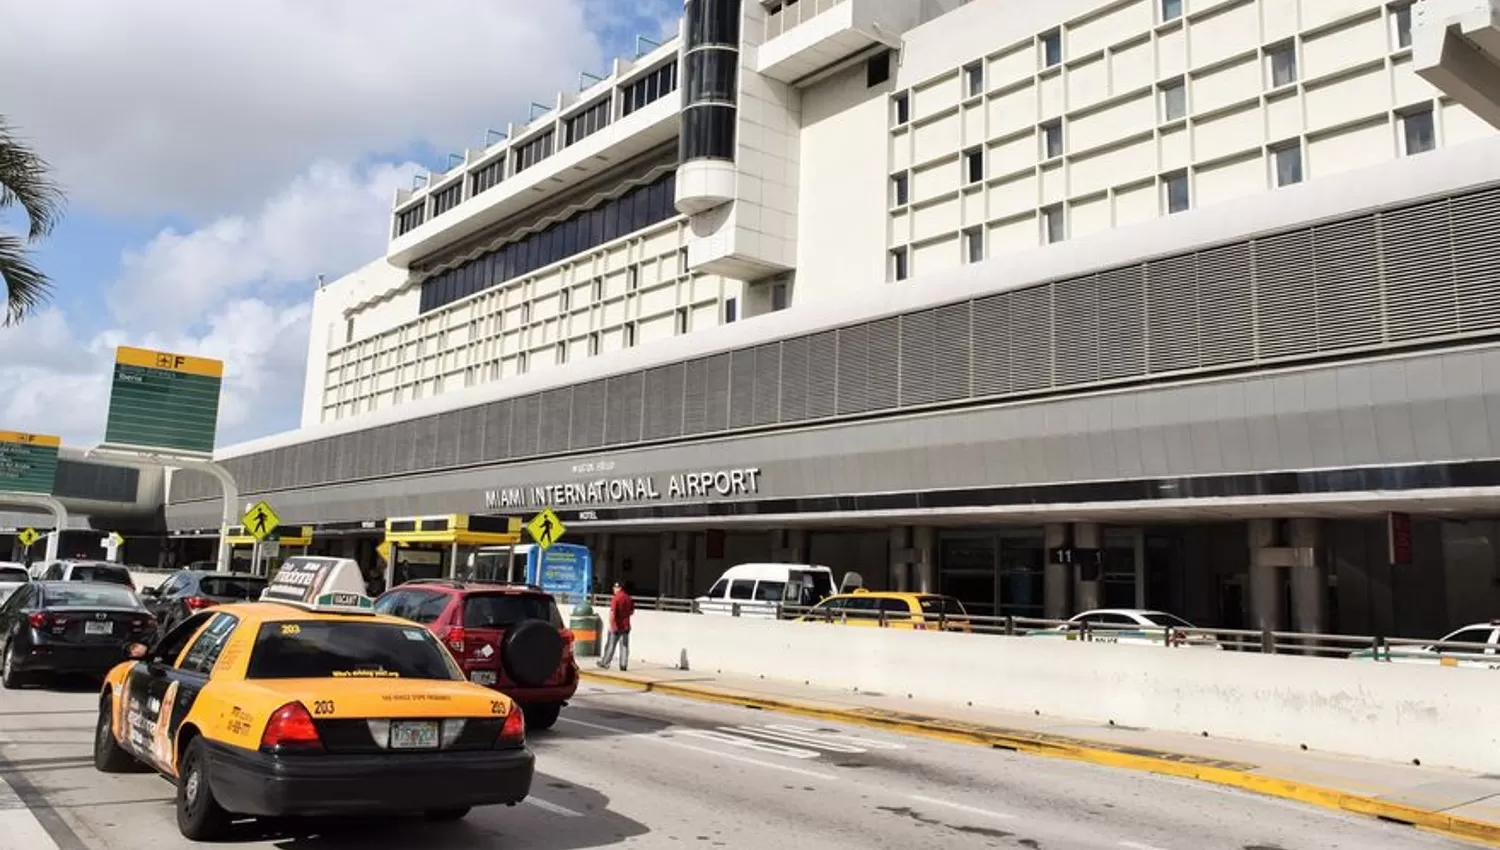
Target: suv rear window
[(499, 610), (232, 587), (321, 649), (100, 572)]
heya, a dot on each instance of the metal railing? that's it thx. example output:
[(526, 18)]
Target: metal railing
[(1367, 647)]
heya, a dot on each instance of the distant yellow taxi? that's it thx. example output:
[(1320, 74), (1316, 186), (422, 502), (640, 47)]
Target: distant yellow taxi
[(893, 610), (309, 703)]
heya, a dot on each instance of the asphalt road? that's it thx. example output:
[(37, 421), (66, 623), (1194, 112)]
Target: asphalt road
[(640, 770)]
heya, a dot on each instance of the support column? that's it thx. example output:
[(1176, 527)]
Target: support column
[(789, 546), (924, 548), (664, 563), (1263, 598), (604, 562), (686, 555), (1057, 584), (1089, 587), (1309, 576), (900, 574)]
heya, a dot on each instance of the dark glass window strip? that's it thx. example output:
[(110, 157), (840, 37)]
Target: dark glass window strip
[(447, 198), (488, 177), (712, 22), (587, 123), (637, 209), (651, 88), (534, 151), (410, 218), (712, 74), (707, 132), (96, 481)]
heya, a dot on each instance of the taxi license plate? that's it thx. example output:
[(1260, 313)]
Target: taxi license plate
[(104, 628), (414, 735), (482, 677)]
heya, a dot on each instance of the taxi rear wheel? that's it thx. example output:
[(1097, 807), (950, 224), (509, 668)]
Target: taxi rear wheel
[(440, 815), (109, 756), (199, 815)]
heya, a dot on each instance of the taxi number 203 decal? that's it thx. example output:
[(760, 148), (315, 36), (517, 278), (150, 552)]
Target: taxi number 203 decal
[(498, 708), (323, 707)]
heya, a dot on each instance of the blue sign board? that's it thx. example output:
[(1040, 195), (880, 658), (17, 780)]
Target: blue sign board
[(565, 570)]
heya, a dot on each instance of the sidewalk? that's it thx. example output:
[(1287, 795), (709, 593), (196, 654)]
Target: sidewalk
[(1455, 803)]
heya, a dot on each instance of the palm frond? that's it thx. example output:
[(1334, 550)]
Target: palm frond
[(26, 179), (26, 287)]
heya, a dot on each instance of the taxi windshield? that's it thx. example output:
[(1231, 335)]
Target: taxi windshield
[(336, 649)]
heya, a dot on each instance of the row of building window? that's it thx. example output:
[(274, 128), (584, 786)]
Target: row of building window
[(639, 208)]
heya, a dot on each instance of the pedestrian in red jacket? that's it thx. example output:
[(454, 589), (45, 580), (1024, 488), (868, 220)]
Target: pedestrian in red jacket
[(621, 606)]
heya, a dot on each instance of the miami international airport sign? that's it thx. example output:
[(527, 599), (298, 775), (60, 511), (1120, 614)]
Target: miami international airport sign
[(712, 483), (161, 400), (28, 462)]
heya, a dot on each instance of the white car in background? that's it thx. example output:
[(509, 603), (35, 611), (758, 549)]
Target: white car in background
[(1487, 634), (1130, 625), (12, 576)]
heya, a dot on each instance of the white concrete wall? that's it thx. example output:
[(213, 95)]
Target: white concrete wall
[(329, 329), (1392, 712)]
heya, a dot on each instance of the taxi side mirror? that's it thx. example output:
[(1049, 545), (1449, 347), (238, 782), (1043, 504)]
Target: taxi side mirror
[(136, 651)]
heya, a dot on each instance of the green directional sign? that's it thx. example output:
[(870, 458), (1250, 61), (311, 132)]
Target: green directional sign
[(28, 462), (161, 400)]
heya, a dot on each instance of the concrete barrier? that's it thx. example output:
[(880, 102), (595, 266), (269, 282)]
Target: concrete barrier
[(1393, 712)]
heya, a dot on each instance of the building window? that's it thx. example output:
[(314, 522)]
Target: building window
[(648, 89), (731, 310), (1175, 187), (974, 244), (1173, 100), (900, 190), (526, 313), (534, 151), (680, 321), (598, 289), (521, 363), (583, 124), (447, 198), (1401, 26), (1286, 163), (878, 69), (778, 297), (899, 264), (486, 178), (1052, 49), (594, 344), (629, 334), (900, 109), (1418, 131), (1171, 10), (682, 262), (708, 132), (562, 351), (348, 331), (1054, 225), (1052, 139), (410, 218), (1282, 64), (633, 278), (974, 79), (974, 165), (564, 300)]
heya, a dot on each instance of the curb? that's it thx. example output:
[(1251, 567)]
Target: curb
[(1188, 767)]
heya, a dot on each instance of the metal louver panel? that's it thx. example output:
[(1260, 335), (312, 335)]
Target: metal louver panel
[(557, 415), (1172, 314), (379, 451), (883, 379), (497, 431), (1286, 310), (586, 430), (1031, 339), (694, 397), (663, 402), (625, 399), (471, 435), (952, 349), (343, 464), (1420, 296), (852, 369), (1226, 305), (448, 439), (424, 438), (1077, 330), (716, 393), (1122, 323), (919, 358), (525, 421), (1475, 221), (822, 383), (1346, 278), (742, 388), (767, 384), (794, 364), (992, 344)]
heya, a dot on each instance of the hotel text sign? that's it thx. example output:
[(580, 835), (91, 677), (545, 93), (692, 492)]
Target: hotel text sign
[(715, 483)]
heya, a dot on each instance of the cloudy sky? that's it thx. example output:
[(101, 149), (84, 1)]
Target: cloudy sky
[(219, 156)]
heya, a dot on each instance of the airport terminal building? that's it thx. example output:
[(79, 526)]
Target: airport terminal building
[(1182, 304)]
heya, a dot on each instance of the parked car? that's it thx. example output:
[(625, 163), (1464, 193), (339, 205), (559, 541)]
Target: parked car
[(101, 571), (891, 609), (186, 592), (68, 627), (762, 590), (509, 637), (1482, 649), (1130, 625), (12, 576)]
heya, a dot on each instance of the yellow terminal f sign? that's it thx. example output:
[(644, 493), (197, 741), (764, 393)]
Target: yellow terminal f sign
[(168, 361)]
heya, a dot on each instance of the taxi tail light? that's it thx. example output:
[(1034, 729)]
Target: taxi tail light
[(291, 728), (513, 733), (455, 638), (197, 603), (39, 620)]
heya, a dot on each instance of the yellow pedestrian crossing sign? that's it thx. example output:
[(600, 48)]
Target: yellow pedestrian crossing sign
[(27, 537), (116, 539), (260, 521), (545, 528)]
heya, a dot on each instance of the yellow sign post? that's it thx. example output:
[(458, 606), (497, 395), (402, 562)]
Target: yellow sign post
[(545, 528), (27, 537), (260, 521)]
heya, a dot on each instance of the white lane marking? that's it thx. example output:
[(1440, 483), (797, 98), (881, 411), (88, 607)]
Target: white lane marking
[(18, 823), (1134, 845), (553, 808), (813, 734), (973, 810), (726, 735), (789, 738), (812, 774)]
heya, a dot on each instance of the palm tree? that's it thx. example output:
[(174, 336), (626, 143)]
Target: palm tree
[(25, 179)]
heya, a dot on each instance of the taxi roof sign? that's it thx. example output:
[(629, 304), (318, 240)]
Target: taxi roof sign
[(320, 584)]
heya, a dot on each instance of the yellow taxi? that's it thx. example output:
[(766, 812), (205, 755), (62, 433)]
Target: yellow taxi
[(309, 703), (892, 610)]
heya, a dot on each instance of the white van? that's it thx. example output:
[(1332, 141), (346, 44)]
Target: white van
[(760, 590)]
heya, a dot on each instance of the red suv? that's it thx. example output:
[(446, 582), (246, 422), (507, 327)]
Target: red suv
[(509, 637)]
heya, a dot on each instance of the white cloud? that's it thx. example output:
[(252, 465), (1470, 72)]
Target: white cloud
[(192, 107)]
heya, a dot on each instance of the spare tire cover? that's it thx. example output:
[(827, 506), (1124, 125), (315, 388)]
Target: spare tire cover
[(531, 652)]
